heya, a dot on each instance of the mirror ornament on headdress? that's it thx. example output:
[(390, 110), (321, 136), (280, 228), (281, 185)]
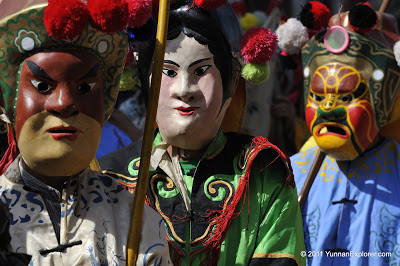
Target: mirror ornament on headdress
[(351, 78)]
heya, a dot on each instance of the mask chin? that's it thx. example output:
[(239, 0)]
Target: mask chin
[(50, 156)]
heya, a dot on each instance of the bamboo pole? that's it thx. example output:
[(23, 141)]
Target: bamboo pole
[(141, 186), (319, 158), (384, 6), (94, 165)]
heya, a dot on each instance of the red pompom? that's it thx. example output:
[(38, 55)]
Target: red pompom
[(258, 45), (239, 8), (321, 14), (139, 12), (108, 15), (65, 19), (210, 4)]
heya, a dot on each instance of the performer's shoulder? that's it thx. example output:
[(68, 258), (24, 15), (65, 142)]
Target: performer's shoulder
[(260, 154), (119, 160)]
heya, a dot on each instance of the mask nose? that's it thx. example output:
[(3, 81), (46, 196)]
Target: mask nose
[(184, 90), (329, 103), (329, 111), (62, 102)]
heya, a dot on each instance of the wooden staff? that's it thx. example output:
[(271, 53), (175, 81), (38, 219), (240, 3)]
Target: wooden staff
[(141, 185), (384, 5), (94, 164), (311, 177)]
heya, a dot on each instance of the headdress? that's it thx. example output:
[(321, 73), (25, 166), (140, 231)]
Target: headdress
[(363, 37), (247, 54), (96, 27), (29, 27)]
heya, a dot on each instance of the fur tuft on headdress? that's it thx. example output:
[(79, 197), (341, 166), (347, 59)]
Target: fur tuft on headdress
[(362, 17), (65, 19), (292, 36), (139, 12), (108, 15), (258, 47), (209, 4), (315, 15)]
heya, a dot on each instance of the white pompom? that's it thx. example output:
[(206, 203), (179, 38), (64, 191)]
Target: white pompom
[(396, 51), (292, 36)]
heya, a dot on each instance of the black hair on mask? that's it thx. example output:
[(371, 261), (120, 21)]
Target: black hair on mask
[(219, 29)]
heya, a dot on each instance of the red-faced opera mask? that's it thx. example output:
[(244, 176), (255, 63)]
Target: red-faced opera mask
[(350, 85), (339, 112), (58, 90)]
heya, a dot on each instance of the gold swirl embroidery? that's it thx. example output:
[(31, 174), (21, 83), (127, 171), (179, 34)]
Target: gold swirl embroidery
[(327, 164), (323, 172), (241, 162), (212, 190), (119, 176), (379, 169), (170, 185)]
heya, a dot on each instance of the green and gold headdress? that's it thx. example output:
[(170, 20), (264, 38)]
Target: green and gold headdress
[(38, 26)]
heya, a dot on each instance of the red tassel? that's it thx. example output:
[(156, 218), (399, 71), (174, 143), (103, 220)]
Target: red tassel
[(130, 58), (65, 19), (190, 6), (224, 220), (139, 12), (210, 4), (11, 153), (176, 259), (109, 16)]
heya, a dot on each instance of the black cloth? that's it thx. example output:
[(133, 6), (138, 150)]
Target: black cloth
[(118, 160), (6, 256)]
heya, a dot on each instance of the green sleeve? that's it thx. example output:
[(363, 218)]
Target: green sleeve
[(280, 235)]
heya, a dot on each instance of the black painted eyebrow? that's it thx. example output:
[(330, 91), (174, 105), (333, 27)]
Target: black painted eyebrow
[(92, 72), (171, 62), (199, 61), (37, 70)]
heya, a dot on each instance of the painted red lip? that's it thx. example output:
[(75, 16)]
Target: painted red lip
[(61, 132), (185, 111)]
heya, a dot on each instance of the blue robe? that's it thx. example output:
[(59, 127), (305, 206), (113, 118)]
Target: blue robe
[(352, 207)]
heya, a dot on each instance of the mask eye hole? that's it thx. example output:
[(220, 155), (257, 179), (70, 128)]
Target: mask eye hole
[(169, 72), (346, 98), (85, 88), (201, 71), (336, 39), (316, 97), (41, 86)]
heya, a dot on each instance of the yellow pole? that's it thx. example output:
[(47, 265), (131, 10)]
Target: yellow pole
[(141, 186), (384, 5), (319, 158), (94, 164)]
